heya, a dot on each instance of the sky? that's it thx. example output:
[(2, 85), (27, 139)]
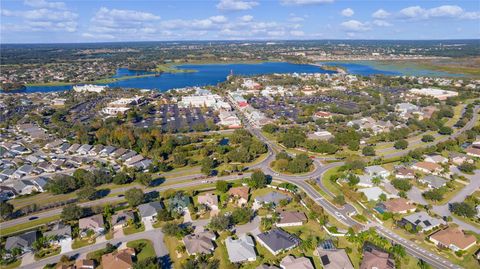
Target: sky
[(72, 21)]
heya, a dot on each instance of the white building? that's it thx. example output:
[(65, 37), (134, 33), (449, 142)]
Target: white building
[(435, 93), (89, 88)]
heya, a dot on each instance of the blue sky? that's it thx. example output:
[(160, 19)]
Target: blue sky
[(51, 21)]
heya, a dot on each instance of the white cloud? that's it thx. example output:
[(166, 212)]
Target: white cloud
[(381, 23), (445, 11), (246, 18), (305, 2), (234, 5), (355, 26), (381, 14), (44, 4), (348, 12), (218, 19), (297, 33)]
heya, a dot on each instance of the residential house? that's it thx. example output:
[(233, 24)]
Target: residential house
[(421, 221), (377, 170), (210, 200), (453, 238), (84, 149), (106, 151), (121, 259), (200, 243), (60, 234), (428, 167), (459, 158), (96, 150), (94, 223), (240, 193), (267, 266), (241, 249), (434, 182), (291, 218), (120, 219), (396, 205), (179, 202), (148, 211), (40, 183), (272, 198), (22, 241), (331, 257), (290, 262), (404, 173), (365, 181), (73, 148), (438, 159), (277, 240), (473, 151), (7, 193), (373, 193), (84, 264), (23, 170), (376, 258), (23, 187)]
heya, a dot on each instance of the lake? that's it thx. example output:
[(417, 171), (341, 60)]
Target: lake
[(211, 74)]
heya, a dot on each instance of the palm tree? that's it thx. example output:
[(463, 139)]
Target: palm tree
[(423, 265)]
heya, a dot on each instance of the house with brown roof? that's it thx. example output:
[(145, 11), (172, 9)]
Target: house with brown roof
[(121, 259), (94, 223), (291, 218), (404, 173), (84, 264), (240, 193), (290, 262), (210, 200), (374, 257), (453, 238), (428, 167), (473, 151), (398, 205), (200, 243)]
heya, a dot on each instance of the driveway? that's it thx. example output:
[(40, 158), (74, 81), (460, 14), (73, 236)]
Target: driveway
[(118, 233), (187, 217), (148, 225), (415, 194), (253, 227), (28, 258), (66, 245)]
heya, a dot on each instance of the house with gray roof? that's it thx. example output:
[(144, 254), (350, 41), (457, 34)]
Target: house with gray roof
[(273, 198), (60, 234), (40, 183), (63, 148), (120, 219), (433, 182), (106, 151), (377, 170), (128, 155), (23, 187), (22, 241), (7, 193), (73, 148), (200, 243), (277, 240), (421, 221), (84, 149), (241, 249), (148, 211)]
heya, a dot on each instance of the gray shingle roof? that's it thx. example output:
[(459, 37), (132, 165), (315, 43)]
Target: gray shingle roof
[(24, 240), (149, 209), (277, 239)]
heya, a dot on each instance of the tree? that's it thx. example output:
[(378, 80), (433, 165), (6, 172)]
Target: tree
[(207, 165), (144, 178), (61, 184), (398, 250), (222, 186), (6, 210), (87, 193), (270, 128), (242, 215), (434, 195), (121, 178), (376, 180), (428, 138), (134, 196), (368, 151), (401, 144), (444, 130), (382, 197), (164, 215), (463, 209), (258, 180), (467, 168), (402, 184), (220, 222), (71, 212), (175, 230), (353, 180)]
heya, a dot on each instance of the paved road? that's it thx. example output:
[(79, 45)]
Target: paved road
[(460, 197), (156, 236)]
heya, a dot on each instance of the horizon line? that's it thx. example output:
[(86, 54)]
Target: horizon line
[(235, 40)]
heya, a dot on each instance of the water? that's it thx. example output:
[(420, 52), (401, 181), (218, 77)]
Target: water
[(393, 68), (206, 74), (211, 74)]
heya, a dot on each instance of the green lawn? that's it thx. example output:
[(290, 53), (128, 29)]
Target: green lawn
[(12, 265), (78, 243), (27, 225), (132, 229), (143, 247), (45, 253)]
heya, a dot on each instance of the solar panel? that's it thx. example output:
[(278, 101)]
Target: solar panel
[(427, 223), (325, 260)]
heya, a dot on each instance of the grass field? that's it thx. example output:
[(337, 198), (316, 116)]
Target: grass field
[(12, 265), (143, 247), (27, 225), (132, 229)]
